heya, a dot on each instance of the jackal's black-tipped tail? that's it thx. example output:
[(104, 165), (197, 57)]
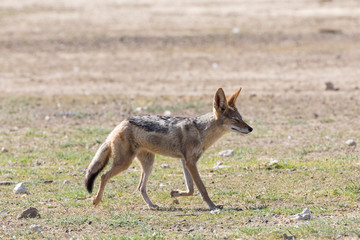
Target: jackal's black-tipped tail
[(97, 164)]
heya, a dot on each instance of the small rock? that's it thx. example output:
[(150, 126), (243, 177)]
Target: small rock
[(66, 182), (215, 211), (289, 237), (138, 109), (219, 164), (20, 189), (304, 215), (235, 30), (76, 69), (215, 65), (47, 118), (35, 228), (350, 142), (330, 87), (31, 212), (175, 201), (4, 150), (164, 165), (273, 163), (167, 113), (162, 185), (227, 153)]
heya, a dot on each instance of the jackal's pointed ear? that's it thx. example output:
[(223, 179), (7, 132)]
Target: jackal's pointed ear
[(220, 103), (232, 99)]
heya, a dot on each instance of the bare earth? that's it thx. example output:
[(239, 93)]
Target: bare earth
[(147, 48), (75, 68)]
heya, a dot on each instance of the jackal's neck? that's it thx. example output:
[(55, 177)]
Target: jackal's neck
[(210, 129)]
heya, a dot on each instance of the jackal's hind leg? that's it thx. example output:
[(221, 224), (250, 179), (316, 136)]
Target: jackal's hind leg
[(117, 167), (189, 184), (146, 160)]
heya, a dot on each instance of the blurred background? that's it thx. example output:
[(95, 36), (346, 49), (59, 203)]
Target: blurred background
[(178, 47)]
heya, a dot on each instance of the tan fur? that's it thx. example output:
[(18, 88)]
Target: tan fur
[(187, 140)]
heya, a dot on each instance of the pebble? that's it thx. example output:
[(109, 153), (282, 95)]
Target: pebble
[(35, 228), (215, 65), (235, 30), (164, 165), (330, 87), (20, 189), (66, 182), (167, 113), (31, 212), (289, 237), (215, 211), (350, 142), (219, 164), (227, 153), (304, 215), (4, 150), (47, 118)]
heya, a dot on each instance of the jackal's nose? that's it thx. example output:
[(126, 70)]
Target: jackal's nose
[(250, 129)]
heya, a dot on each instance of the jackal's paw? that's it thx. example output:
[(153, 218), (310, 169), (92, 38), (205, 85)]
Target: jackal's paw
[(217, 207), (174, 193), (95, 201), (153, 207)]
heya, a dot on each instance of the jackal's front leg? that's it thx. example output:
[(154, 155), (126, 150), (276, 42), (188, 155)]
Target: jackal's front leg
[(191, 166), (189, 184)]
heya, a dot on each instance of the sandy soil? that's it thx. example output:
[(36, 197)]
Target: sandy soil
[(187, 48)]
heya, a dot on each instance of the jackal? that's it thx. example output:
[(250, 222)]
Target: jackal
[(179, 137)]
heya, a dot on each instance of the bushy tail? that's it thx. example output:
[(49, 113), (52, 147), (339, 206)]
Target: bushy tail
[(97, 164)]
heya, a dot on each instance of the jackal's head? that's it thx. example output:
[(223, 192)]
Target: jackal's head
[(227, 114)]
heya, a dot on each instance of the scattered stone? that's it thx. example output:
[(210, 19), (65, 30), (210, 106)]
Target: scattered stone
[(76, 69), (215, 65), (350, 142), (48, 181), (20, 189), (31, 212), (167, 113), (47, 118), (235, 30), (219, 164), (6, 183), (215, 211), (315, 115), (66, 182), (164, 165), (138, 109), (289, 236), (273, 163), (304, 215), (227, 153), (4, 150), (175, 201), (327, 138), (35, 228), (162, 185), (14, 129), (330, 31), (330, 87)]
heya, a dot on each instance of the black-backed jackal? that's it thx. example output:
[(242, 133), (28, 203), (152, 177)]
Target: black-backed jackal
[(179, 137)]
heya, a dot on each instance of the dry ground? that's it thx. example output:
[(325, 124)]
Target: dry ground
[(85, 65)]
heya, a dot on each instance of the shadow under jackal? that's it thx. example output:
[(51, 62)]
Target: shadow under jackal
[(179, 137)]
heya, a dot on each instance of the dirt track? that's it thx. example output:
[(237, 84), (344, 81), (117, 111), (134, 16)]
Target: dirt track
[(148, 47)]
